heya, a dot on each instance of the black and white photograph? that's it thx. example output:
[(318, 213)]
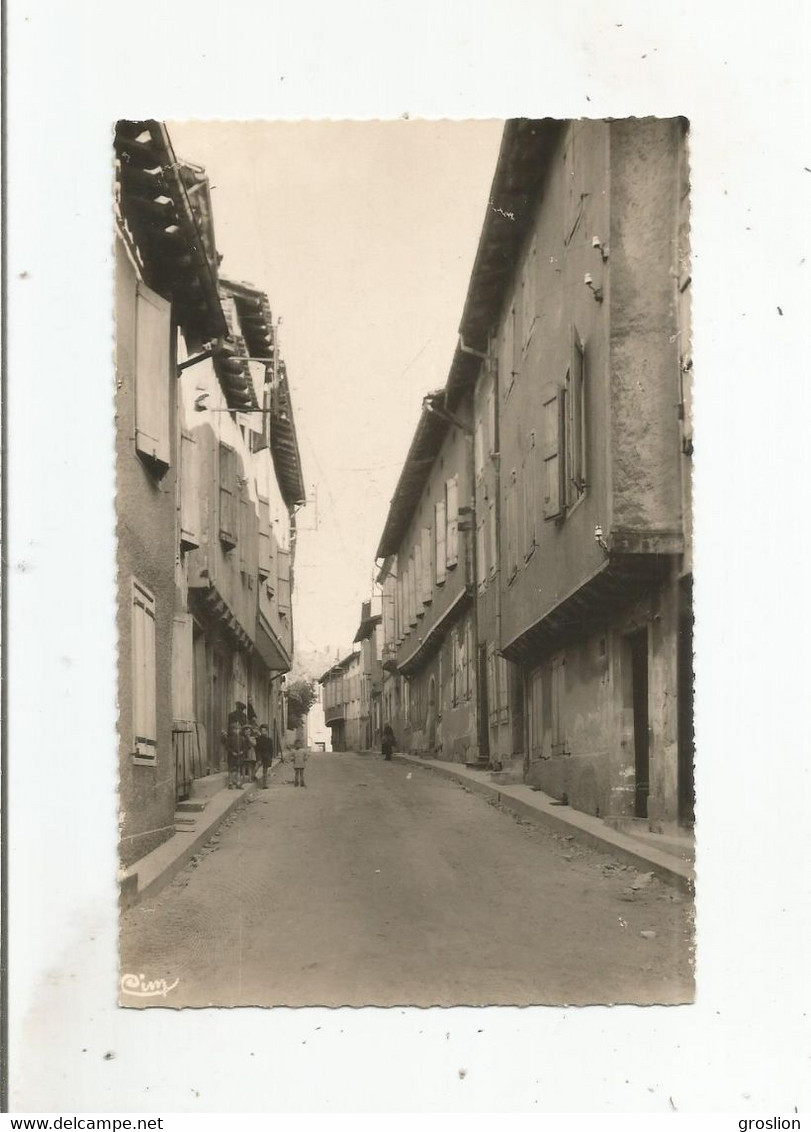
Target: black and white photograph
[(404, 551)]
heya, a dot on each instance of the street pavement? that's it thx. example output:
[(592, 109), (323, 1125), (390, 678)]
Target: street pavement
[(383, 884)]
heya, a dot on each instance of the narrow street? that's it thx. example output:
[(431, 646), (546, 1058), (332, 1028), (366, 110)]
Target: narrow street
[(383, 884)]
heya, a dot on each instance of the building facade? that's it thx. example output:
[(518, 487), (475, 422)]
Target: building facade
[(342, 702), (428, 550), (579, 307), (207, 489)]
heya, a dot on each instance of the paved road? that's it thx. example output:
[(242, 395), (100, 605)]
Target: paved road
[(383, 883)]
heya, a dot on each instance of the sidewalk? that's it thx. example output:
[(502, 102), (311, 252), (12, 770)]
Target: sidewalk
[(154, 871), (669, 858)]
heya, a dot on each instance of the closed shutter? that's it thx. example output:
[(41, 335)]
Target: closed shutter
[(189, 493), (427, 567), (263, 566), (512, 532), (452, 513), (244, 531), (493, 535), (182, 668), (144, 709), (419, 581), (412, 591), (478, 444), (481, 553), (153, 375), (491, 421), (559, 705), (283, 557), (530, 495), (229, 499), (553, 425), (440, 530)]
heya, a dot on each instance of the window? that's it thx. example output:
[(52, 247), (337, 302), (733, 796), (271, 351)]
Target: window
[(229, 497), (264, 539), (503, 692), (440, 538), (418, 580), (427, 571), (512, 524), (153, 376), (452, 513), (558, 706), (528, 292), (552, 432), (481, 553), (189, 493), (144, 684), (530, 496), (285, 597), (576, 422), (493, 535), (478, 448), (492, 447)]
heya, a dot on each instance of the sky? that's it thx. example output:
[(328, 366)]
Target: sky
[(363, 235)]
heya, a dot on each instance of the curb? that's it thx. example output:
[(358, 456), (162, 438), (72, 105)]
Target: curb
[(153, 872), (664, 866)]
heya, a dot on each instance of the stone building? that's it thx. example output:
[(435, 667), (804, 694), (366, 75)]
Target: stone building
[(578, 309)]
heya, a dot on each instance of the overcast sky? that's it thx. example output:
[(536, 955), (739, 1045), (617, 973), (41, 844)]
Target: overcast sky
[(363, 235)]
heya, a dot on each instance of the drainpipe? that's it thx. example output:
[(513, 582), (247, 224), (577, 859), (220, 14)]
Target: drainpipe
[(496, 461)]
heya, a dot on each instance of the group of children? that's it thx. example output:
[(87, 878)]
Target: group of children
[(246, 745)]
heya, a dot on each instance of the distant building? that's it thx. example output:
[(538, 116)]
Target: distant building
[(341, 698), (429, 640), (370, 638)]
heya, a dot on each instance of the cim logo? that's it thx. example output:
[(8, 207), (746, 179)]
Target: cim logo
[(141, 987)]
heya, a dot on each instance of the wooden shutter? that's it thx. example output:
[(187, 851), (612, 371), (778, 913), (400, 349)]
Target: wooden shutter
[(491, 421), (558, 705), (189, 493), (478, 443), (412, 591), (153, 375), (481, 553), (228, 496), (284, 595), (452, 513), (244, 531), (553, 429), (440, 533), (427, 567), (530, 495), (419, 581), (264, 556), (182, 668), (493, 535), (512, 525), (144, 691)]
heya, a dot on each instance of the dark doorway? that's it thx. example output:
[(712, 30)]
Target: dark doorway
[(686, 737), (638, 651), (484, 709)]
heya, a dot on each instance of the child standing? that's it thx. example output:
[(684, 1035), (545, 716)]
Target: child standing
[(299, 763), (248, 754), (264, 752), (234, 749)]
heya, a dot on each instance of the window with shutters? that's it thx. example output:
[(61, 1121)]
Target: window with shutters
[(229, 497), (452, 519), (284, 595), (244, 530), (144, 677), (427, 567), (481, 554), (492, 535), (419, 581), (440, 532), (503, 692), (575, 446), (510, 348), (264, 550), (528, 297), (530, 509), (559, 706), (492, 684), (189, 493), (552, 451), (154, 381), (511, 508), (492, 446), (478, 448), (412, 590)]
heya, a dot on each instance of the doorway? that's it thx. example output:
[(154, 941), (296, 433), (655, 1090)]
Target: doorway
[(484, 706), (636, 648), (686, 735)]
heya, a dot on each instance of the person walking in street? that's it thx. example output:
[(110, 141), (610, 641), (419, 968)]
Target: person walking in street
[(299, 762), (264, 752), (387, 743)]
